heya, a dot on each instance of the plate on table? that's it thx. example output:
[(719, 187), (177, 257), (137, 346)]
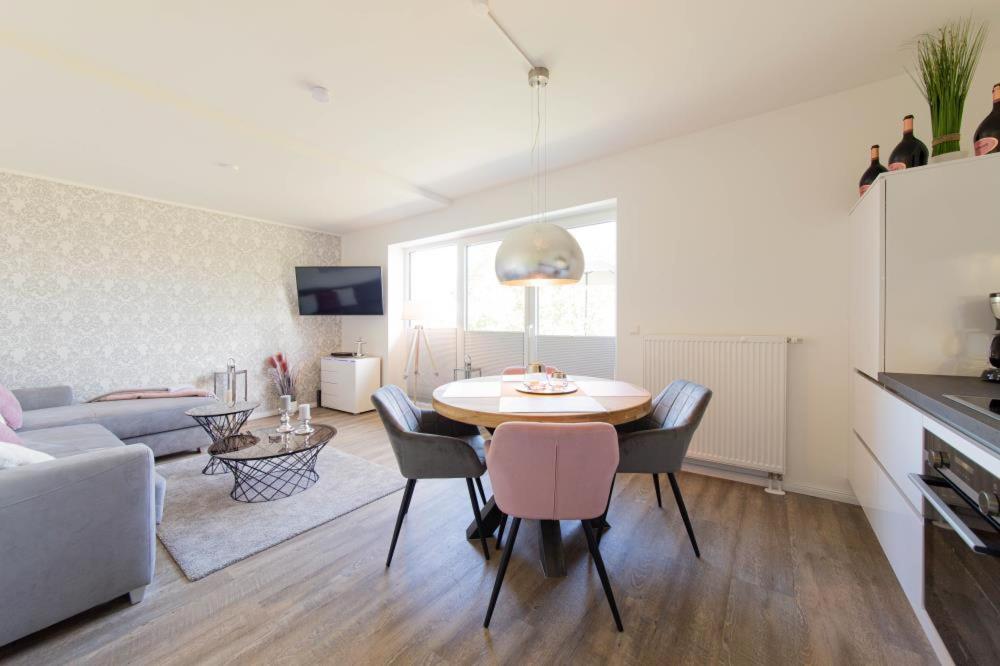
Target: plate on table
[(542, 388)]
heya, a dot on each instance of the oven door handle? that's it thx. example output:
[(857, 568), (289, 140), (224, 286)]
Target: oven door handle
[(963, 531)]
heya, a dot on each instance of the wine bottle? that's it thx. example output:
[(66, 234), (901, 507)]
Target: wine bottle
[(910, 152), (987, 137), (872, 172)]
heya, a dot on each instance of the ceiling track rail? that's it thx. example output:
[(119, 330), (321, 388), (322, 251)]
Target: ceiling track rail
[(503, 31)]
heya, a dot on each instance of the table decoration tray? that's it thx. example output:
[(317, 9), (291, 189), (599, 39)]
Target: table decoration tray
[(545, 389)]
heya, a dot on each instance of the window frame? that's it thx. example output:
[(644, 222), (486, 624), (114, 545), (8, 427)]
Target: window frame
[(461, 242)]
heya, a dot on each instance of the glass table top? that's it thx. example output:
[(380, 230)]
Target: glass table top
[(222, 409), (269, 443)]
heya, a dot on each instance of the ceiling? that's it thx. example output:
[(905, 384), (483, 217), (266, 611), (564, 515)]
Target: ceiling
[(428, 101)]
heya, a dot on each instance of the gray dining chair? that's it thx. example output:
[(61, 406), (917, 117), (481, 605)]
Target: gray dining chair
[(658, 442), (430, 446)]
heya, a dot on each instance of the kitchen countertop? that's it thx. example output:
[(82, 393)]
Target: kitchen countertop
[(928, 393)]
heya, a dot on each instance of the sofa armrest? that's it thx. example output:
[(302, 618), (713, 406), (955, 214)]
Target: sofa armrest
[(77, 532), (44, 397)]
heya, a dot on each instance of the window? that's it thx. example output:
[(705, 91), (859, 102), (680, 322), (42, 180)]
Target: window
[(433, 284), (588, 307), (489, 305)]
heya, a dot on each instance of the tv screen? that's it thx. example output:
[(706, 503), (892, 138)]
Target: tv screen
[(339, 290)]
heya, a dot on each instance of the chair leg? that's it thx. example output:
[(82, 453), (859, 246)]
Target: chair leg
[(479, 518), (684, 513), (599, 563), (410, 498), (516, 523), (404, 505), (503, 524), (482, 493), (656, 484), (603, 520)]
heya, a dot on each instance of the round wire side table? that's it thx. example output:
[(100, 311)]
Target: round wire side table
[(220, 420)]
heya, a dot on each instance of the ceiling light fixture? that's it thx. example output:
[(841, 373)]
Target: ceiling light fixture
[(227, 165), (539, 253), (320, 94)]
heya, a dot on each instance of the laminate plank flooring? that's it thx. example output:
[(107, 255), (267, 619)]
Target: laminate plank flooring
[(782, 580)]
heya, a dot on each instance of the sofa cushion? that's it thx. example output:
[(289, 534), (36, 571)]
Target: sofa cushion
[(10, 408), (125, 418), (52, 417), (70, 440), (136, 418)]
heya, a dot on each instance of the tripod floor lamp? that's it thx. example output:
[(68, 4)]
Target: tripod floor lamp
[(414, 313)]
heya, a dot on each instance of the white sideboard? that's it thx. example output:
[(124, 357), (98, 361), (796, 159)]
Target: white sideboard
[(347, 383)]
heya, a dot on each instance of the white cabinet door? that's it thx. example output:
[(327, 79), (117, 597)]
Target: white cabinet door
[(893, 430), (942, 260), (899, 529), (867, 228)]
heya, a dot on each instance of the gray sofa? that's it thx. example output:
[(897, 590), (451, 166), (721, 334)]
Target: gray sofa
[(159, 423), (80, 530)]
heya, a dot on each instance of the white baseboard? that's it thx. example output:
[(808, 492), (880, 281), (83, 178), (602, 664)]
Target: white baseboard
[(760, 479)]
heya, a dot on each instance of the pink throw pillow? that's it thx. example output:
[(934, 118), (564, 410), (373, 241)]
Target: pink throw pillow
[(10, 408), (8, 435)]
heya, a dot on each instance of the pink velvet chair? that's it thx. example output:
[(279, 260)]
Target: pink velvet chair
[(553, 471)]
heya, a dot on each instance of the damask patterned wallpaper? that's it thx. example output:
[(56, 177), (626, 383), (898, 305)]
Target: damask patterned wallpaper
[(105, 291)]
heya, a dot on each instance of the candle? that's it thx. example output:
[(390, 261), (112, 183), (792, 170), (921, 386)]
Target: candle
[(286, 403), (304, 412)]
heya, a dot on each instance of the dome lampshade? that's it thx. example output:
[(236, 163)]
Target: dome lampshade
[(539, 254)]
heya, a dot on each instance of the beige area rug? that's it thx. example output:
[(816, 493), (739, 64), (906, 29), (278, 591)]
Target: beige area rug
[(205, 530)]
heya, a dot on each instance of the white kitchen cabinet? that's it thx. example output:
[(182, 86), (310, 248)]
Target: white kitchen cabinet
[(867, 229), (924, 259), (892, 429), (898, 526), (347, 383)]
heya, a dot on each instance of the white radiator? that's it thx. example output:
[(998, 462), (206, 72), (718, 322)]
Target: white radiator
[(745, 425)]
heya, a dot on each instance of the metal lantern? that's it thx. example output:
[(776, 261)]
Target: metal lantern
[(231, 384)]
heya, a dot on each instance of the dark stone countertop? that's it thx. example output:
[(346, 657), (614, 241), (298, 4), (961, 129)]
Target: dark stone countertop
[(928, 392)]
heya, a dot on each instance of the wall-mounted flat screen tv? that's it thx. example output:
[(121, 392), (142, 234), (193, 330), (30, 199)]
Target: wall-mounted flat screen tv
[(339, 290)]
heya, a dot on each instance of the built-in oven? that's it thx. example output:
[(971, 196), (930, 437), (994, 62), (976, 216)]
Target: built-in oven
[(961, 552)]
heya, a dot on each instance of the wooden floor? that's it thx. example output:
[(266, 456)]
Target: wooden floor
[(782, 580)]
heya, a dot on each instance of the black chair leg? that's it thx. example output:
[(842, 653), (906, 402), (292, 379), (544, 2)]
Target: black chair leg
[(479, 518), (482, 493), (602, 522), (404, 506), (516, 523), (656, 484), (684, 513), (599, 563), (410, 498), (503, 524)]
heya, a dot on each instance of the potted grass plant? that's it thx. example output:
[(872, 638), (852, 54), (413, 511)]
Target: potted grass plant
[(945, 62)]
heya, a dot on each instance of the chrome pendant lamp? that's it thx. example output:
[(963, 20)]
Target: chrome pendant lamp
[(539, 253)]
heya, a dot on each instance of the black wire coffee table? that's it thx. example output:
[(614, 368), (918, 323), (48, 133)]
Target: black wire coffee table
[(268, 465), (221, 420)]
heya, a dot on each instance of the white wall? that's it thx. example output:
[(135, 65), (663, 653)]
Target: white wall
[(740, 229)]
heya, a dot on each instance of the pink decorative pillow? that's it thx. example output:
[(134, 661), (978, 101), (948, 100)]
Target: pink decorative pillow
[(10, 408), (8, 435)]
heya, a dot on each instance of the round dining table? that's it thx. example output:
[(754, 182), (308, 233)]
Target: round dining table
[(491, 401)]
